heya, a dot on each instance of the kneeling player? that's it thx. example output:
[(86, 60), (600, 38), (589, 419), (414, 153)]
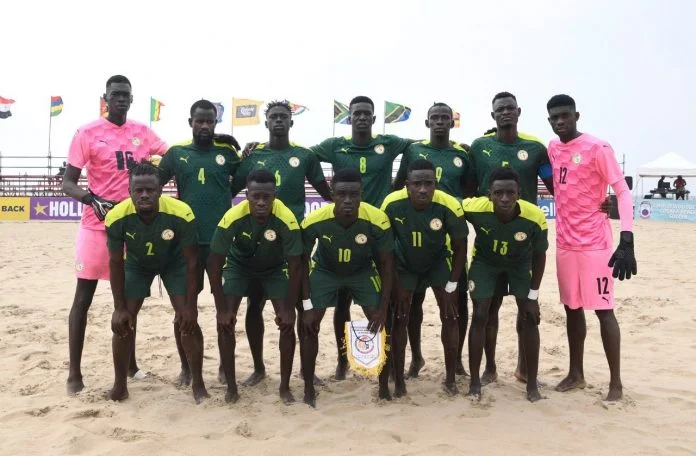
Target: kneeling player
[(159, 234), (351, 235), (421, 218), (262, 241), (511, 240)]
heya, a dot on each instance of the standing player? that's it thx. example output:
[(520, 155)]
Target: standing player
[(263, 245), (352, 236), (290, 165), (528, 156), (583, 168), (202, 169), (107, 148), (454, 174), (421, 219), (511, 241), (160, 238)]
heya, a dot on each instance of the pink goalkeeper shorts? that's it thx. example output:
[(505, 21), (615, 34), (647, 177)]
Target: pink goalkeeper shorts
[(584, 279), (91, 255)]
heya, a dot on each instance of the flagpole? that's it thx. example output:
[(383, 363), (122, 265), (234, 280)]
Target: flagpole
[(50, 118), (384, 124)]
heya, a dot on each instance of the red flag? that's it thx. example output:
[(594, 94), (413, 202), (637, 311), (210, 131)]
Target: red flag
[(5, 104)]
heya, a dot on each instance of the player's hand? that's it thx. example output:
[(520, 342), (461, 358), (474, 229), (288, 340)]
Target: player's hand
[(377, 320), (227, 139), (248, 148), (531, 308), (403, 302), (188, 317), (227, 321), (99, 205), (310, 320), (606, 206), (121, 323), (624, 259), (450, 308), (285, 319)]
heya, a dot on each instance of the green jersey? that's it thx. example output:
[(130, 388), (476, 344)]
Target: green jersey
[(290, 167), (255, 247), (154, 247), (528, 156), (452, 165), (508, 244), (374, 161), (421, 236), (202, 178), (346, 251)]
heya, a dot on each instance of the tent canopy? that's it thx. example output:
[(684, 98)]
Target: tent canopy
[(670, 164)]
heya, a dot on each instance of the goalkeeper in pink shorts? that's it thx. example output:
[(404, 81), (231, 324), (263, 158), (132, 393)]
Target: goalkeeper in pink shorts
[(583, 168)]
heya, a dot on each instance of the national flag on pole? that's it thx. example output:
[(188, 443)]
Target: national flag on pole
[(394, 112), (220, 110), (56, 106), (456, 118), (341, 113), (103, 108), (155, 108), (246, 111), (5, 104), (297, 109)]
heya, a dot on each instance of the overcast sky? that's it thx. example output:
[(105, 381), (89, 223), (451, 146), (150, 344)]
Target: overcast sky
[(629, 64)]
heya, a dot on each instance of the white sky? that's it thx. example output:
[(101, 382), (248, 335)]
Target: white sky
[(629, 64)]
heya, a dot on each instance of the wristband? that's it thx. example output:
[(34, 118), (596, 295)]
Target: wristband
[(87, 199), (450, 287), (307, 304), (533, 295)]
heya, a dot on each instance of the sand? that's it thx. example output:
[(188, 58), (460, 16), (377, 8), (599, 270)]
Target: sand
[(658, 415)]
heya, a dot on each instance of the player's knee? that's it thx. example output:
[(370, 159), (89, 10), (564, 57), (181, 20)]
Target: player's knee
[(605, 316), (530, 319), (479, 317)]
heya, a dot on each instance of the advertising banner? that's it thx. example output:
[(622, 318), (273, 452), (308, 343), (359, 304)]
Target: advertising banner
[(669, 210)]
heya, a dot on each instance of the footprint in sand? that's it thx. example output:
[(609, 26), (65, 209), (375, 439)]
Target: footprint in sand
[(128, 435), (39, 412), (243, 429)]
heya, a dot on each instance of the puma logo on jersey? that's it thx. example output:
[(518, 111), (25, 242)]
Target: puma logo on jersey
[(103, 141), (343, 149), (262, 163), (246, 234), (130, 235), (184, 159), (328, 238), (486, 230), (487, 152), (424, 157), (400, 220)]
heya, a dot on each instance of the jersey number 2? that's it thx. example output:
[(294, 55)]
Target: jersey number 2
[(150, 251)]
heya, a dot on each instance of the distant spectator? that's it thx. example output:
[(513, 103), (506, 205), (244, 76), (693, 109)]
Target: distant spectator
[(61, 170), (662, 188), (680, 187)]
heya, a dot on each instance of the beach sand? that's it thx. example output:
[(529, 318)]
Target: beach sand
[(657, 415)]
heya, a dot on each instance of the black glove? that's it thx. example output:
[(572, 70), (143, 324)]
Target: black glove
[(624, 260), (100, 205), (227, 139)]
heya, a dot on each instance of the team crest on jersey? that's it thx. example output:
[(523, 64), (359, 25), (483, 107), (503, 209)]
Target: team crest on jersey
[(294, 162), (79, 266), (135, 141), (220, 159), (520, 236), (360, 239), (167, 235), (472, 285), (270, 235), (458, 162), (379, 148), (577, 158), (522, 155), (436, 224)]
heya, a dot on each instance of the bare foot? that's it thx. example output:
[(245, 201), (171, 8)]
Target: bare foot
[(341, 369), (184, 378), (254, 378), (221, 376), (231, 396), (474, 391), (310, 397), (199, 393), (520, 376), (534, 395), (489, 377), (384, 393), (451, 389), (400, 390), (287, 397), (460, 370), (415, 367), (317, 380), (571, 382), (118, 393), (75, 385), (615, 393)]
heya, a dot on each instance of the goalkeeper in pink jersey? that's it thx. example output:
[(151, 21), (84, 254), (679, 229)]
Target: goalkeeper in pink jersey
[(583, 168), (107, 148)]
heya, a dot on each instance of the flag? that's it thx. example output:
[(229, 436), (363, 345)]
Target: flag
[(56, 106), (103, 108), (297, 109), (394, 112), (341, 113), (220, 110), (246, 111), (456, 118), (5, 104), (155, 108)]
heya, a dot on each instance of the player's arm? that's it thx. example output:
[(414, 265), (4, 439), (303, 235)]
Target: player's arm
[(544, 170), (239, 182), (400, 179), (468, 182), (70, 180), (309, 237), (315, 176), (166, 168), (227, 139), (219, 246), (386, 272), (324, 150), (121, 320)]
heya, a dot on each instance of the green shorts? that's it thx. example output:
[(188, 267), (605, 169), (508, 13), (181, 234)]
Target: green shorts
[(139, 281), (236, 281), (365, 287), (436, 276), (486, 281)]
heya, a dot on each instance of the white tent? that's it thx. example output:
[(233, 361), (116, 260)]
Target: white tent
[(670, 165)]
